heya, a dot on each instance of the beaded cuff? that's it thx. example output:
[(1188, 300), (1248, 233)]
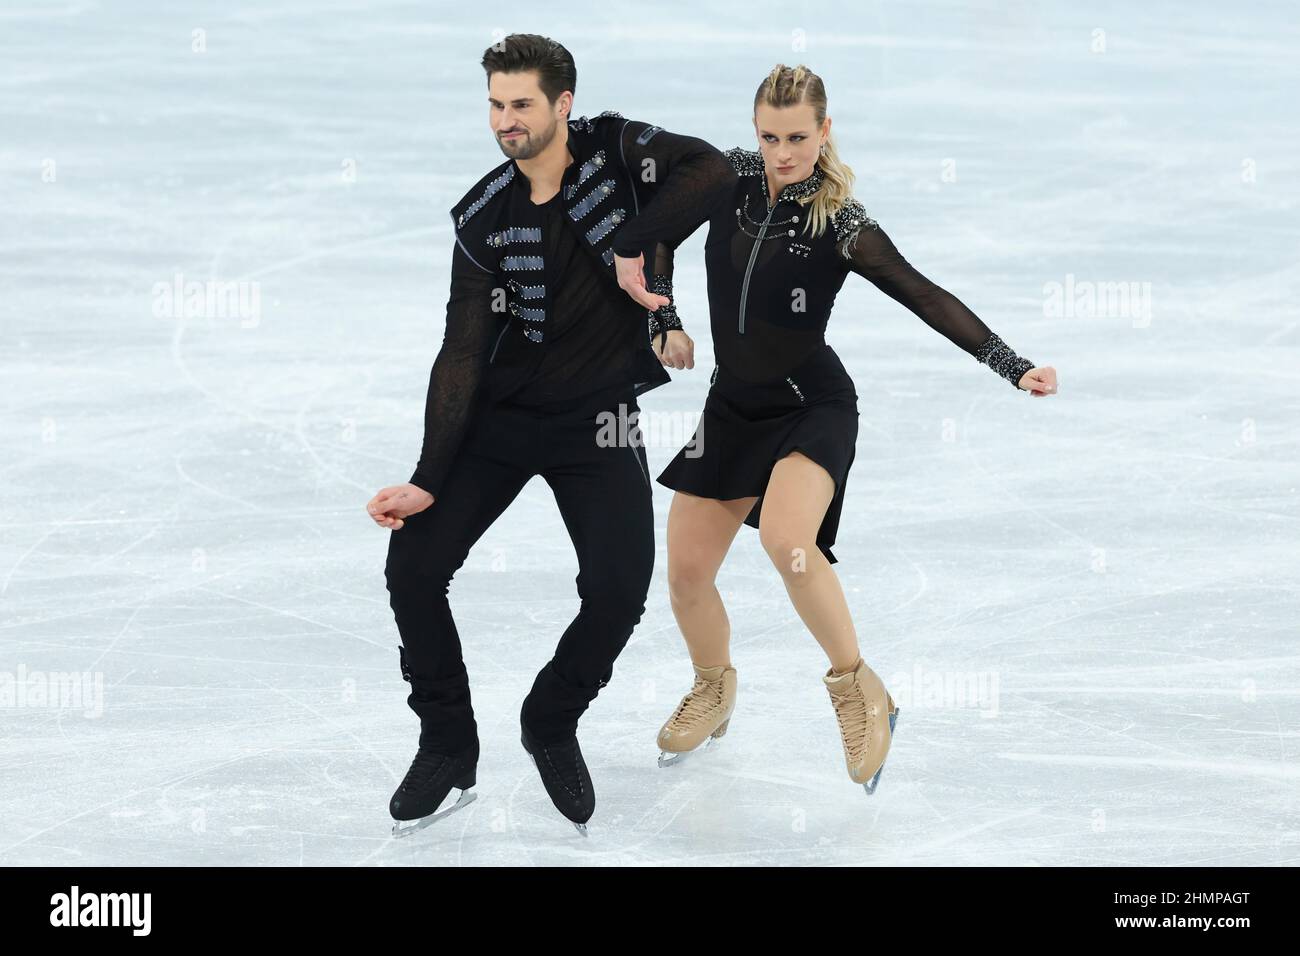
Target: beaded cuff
[(1000, 357), (663, 319)]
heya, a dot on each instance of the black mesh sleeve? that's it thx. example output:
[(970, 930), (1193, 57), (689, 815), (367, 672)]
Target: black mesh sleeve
[(683, 178), (471, 332), (871, 254)]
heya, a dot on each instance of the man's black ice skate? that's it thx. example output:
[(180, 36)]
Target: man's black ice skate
[(565, 777), (431, 778)]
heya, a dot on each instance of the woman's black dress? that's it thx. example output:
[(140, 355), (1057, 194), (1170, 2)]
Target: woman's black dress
[(778, 386)]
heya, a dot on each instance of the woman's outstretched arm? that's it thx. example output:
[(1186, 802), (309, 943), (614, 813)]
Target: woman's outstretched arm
[(871, 254)]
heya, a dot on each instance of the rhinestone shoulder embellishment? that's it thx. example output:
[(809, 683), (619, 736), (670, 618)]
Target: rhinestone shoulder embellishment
[(746, 162), (848, 220)]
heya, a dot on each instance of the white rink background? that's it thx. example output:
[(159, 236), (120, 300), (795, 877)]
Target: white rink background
[(183, 497)]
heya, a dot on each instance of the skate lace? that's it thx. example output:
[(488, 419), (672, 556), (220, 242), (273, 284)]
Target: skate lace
[(855, 723), (424, 768), (699, 704), (563, 755)]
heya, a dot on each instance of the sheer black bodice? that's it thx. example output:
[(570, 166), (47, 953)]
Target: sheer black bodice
[(772, 284)]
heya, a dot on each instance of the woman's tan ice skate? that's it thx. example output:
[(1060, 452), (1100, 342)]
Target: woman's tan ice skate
[(866, 714), (702, 716)]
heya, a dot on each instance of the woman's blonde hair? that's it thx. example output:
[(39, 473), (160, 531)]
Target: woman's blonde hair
[(790, 86)]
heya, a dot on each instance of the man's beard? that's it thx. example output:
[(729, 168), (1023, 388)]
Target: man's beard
[(529, 144)]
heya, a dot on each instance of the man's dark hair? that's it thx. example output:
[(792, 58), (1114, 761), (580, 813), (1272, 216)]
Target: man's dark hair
[(521, 52)]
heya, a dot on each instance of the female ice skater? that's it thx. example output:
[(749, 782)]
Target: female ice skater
[(776, 440)]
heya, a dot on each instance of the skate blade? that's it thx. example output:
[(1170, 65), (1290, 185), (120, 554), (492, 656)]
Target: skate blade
[(669, 759), (870, 785), (403, 828)]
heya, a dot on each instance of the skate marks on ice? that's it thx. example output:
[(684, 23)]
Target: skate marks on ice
[(1121, 557)]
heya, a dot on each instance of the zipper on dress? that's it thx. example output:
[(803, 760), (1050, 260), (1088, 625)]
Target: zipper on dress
[(753, 254)]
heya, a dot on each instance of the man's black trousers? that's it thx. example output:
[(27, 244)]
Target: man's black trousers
[(603, 492)]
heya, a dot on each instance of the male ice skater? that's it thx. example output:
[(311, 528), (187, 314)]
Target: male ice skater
[(550, 322)]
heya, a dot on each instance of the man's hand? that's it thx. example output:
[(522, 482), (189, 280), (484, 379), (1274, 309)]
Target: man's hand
[(678, 350), (396, 502), (631, 278), (1039, 381)]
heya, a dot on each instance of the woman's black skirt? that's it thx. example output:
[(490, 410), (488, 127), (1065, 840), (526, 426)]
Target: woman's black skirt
[(747, 428)]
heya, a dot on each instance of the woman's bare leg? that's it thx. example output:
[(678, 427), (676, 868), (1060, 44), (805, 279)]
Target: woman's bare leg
[(798, 494), (700, 532)]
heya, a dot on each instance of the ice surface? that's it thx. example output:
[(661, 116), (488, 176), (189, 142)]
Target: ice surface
[(183, 497)]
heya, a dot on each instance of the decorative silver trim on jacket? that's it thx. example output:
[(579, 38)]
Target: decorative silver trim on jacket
[(586, 172), (515, 234), (516, 263), (526, 291), (527, 314), (591, 200), (489, 191), (603, 228)]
